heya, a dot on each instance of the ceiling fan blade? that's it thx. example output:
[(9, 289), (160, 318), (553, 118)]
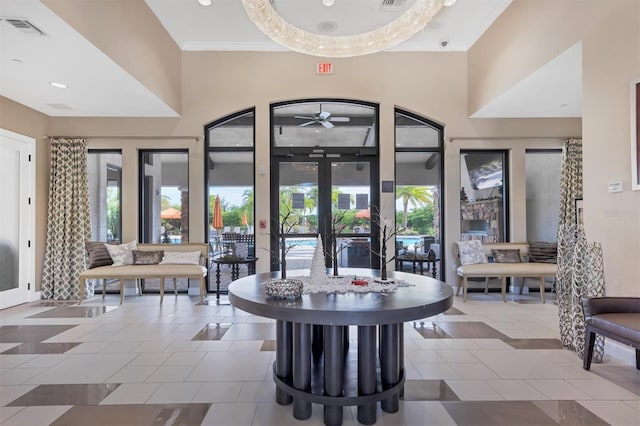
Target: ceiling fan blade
[(304, 117), (326, 124), (324, 115), (308, 123), (340, 119)]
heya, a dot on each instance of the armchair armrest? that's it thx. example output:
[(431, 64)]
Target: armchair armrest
[(607, 305)]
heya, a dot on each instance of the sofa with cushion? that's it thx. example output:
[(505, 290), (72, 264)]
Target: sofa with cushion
[(498, 260), (140, 261)]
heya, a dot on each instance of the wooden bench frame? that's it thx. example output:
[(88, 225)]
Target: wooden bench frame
[(502, 270), (138, 272)]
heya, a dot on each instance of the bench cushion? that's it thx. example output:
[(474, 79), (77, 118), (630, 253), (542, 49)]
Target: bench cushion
[(625, 325), (145, 271), (508, 270)]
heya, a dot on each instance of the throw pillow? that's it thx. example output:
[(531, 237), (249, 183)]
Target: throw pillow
[(471, 252), (142, 257), (122, 254), (543, 252), (507, 255), (97, 254), (181, 258)]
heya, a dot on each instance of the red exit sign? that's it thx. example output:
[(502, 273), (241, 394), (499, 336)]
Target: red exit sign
[(324, 68)]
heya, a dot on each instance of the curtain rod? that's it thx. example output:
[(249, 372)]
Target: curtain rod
[(508, 137), (197, 138)]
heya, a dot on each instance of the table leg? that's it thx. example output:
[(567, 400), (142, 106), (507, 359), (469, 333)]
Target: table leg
[(235, 271), (301, 368), (413, 267), (367, 372), (284, 358), (421, 268), (318, 340), (433, 269), (217, 281), (390, 364), (333, 371)]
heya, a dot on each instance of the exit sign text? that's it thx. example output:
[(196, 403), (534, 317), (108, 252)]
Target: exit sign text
[(324, 68)]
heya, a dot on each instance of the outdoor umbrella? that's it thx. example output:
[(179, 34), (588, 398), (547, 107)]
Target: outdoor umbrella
[(363, 214), (245, 222), (170, 213), (217, 215)]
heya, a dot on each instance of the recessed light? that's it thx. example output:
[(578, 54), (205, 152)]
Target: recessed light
[(205, 2), (448, 3), (18, 61), (58, 85), (563, 105), (328, 3)]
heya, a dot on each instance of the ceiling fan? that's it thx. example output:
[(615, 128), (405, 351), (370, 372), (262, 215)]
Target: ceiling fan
[(323, 117)]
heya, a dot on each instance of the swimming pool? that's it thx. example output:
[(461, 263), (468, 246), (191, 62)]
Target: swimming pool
[(407, 240)]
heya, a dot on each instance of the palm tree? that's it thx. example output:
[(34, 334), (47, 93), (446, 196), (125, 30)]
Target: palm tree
[(416, 195), (247, 203)]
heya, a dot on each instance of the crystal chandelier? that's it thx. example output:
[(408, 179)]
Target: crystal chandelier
[(267, 20)]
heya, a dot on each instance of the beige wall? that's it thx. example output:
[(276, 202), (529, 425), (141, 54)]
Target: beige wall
[(130, 34), (529, 34), (435, 85), (611, 60), (25, 121), (218, 83)]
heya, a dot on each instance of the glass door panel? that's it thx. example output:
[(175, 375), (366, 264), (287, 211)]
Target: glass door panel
[(299, 197), (322, 195), (350, 203)]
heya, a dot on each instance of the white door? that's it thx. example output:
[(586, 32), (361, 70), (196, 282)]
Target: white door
[(17, 266)]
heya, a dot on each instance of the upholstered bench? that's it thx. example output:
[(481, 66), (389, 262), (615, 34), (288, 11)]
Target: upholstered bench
[(482, 268), (617, 318), (161, 271)]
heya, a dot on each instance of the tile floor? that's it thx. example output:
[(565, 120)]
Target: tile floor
[(483, 362)]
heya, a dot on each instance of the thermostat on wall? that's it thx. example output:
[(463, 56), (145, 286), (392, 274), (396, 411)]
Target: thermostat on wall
[(615, 187)]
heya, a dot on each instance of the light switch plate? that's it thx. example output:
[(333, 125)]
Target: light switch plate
[(615, 187)]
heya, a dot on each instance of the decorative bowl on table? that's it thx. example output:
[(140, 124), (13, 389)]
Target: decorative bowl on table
[(359, 281), (284, 288)]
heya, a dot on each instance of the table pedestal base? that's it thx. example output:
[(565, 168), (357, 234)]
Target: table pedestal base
[(326, 373)]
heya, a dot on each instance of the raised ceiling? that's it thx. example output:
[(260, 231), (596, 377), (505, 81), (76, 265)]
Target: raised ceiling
[(99, 87)]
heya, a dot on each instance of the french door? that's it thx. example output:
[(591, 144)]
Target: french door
[(317, 194), (17, 186)]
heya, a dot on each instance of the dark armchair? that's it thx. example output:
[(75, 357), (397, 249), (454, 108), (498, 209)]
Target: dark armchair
[(617, 318)]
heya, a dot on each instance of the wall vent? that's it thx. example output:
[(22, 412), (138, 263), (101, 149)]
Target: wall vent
[(24, 26), (393, 4)]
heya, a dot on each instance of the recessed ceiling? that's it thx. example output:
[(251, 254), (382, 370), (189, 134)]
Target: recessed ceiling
[(98, 86)]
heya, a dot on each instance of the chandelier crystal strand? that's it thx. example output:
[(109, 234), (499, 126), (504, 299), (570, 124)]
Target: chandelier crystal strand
[(267, 20)]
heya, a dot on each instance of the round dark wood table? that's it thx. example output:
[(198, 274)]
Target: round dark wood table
[(313, 362)]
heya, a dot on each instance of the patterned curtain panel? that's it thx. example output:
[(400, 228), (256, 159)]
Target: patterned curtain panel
[(68, 224), (580, 266)]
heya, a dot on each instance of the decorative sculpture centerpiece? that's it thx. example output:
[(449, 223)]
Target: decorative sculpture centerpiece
[(282, 287), (337, 226), (387, 231), (318, 271)]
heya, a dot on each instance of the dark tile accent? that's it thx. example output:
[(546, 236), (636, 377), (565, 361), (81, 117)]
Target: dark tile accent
[(148, 414), (569, 413), (428, 390), (453, 311), (268, 345), (430, 330), (73, 394), (55, 303), (212, 331), (72, 312), (30, 333), (41, 348), (496, 413), (470, 330), (625, 376), (534, 343)]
